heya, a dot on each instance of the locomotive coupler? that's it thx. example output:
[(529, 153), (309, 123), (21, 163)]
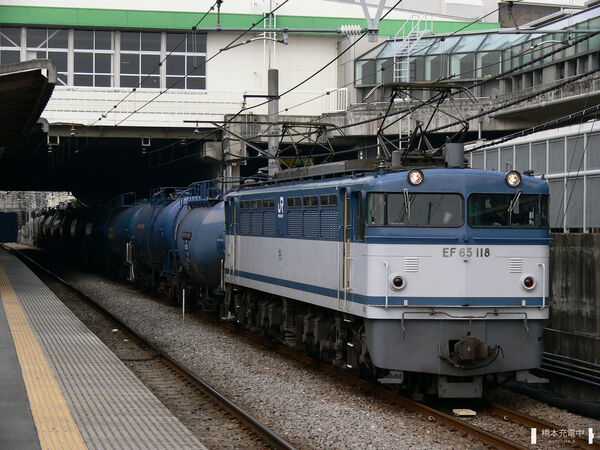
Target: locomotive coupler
[(471, 353), (470, 348)]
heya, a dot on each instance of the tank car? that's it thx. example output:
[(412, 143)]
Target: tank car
[(433, 278), (154, 236)]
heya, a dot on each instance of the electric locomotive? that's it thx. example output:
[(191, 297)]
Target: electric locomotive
[(432, 278)]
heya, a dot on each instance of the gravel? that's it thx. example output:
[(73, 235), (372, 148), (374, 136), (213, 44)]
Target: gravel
[(309, 408), (559, 417)]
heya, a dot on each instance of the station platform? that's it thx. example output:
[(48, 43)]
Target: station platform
[(61, 387)]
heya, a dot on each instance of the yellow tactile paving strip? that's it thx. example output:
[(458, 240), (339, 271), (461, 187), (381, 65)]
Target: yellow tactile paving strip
[(110, 406), (55, 425)]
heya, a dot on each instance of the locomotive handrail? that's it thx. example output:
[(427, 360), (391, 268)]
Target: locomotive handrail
[(340, 268), (386, 284), (543, 285), (470, 317)]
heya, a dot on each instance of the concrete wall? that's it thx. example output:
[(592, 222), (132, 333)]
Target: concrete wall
[(244, 69), (522, 14), (574, 326)]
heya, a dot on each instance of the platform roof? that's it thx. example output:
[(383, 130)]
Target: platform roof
[(25, 88)]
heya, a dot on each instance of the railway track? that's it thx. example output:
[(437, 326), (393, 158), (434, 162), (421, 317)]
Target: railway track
[(487, 437), (193, 398), (534, 422)]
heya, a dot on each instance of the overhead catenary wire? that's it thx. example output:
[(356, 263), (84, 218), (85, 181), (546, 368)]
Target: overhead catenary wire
[(483, 113), (227, 47), (585, 114), (336, 58), (537, 128), (385, 67), (161, 62), (310, 77), (305, 80), (102, 134), (500, 75), (449, 77), (134, 89), (583, 153)]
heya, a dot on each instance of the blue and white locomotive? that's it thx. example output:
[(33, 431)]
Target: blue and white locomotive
[(432, 278), (434, 271)]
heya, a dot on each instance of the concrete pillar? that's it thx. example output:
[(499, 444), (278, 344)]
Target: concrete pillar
[(273, 92)]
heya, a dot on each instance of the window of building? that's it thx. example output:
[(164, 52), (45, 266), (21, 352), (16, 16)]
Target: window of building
[(50, 43), (87, 57), (139, 59), (93, 58), (10, 45), (187, 57)]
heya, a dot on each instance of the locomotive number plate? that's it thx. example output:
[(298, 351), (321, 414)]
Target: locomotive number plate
[(466, 252)]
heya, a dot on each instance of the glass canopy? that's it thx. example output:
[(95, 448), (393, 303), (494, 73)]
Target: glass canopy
[(465, 56)]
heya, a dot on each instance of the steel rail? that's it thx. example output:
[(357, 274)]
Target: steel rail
[(260, 429), (428, 412), (534, 422)]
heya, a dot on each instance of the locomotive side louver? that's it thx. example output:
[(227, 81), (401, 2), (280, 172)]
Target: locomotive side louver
[(411, 264), (515, 265)]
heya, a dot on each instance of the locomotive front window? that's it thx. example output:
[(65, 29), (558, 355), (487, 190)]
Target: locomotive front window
[(409, 209), (508, 210)]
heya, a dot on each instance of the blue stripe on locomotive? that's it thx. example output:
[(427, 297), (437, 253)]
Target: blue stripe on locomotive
[(391, 300)]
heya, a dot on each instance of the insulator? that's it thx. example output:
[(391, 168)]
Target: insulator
[(350, 29)]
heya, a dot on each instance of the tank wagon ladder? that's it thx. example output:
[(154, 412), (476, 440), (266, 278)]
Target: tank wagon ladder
[(125, 200)]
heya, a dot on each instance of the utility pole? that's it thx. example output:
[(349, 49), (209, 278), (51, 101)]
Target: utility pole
[(273, 96)]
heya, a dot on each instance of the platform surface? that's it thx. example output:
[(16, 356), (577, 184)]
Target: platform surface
[(61, 386)]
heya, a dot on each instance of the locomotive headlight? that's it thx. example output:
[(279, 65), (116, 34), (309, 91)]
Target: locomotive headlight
[(528, 282), (397, 282), (513, 178), (415, 177)]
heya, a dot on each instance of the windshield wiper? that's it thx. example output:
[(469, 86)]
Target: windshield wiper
[(513, 203), (406, 212)]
